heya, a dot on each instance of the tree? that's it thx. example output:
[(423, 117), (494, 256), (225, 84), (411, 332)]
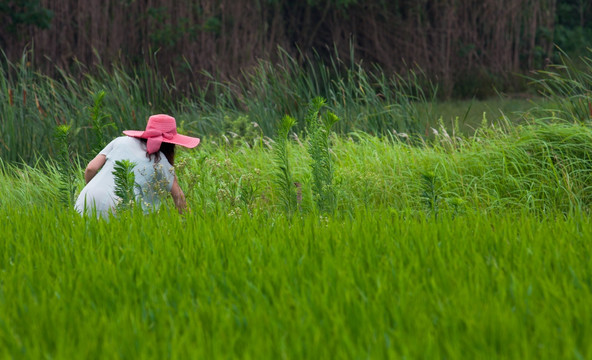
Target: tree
[(16, 14)]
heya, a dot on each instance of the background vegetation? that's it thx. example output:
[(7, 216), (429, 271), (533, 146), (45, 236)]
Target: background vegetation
[(458, 245), (464, 46)]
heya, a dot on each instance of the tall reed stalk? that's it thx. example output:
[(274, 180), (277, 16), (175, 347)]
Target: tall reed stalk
[(568, 87), (319, 130), (32, 104), (63, 136), (283, 175)]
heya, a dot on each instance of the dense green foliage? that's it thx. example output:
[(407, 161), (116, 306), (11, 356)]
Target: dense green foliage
[(539, 168), (17, 14), (573, 30)]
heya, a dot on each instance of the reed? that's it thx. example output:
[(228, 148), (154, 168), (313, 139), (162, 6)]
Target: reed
[(464, 46), (98, 105), (566, 86), (283, 175)]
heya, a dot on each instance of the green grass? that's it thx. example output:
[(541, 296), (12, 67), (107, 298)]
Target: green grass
[(498, 110), (376, 284), (101, 103), (458, 229), (503, 271), (540, 168)]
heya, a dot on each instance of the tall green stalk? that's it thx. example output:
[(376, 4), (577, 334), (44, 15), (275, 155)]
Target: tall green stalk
[(319, 128), (62, 135), (125, 183), (431, 195), (283, 175), (98, 121), (567, 85)]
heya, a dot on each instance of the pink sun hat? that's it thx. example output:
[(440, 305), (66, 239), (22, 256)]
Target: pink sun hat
[(162, 128)]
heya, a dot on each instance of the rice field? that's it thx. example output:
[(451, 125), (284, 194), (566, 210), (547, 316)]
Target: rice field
[(376, 284), (502, 270), (459, 243)]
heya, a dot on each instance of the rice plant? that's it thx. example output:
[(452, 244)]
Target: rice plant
[(376, 284)]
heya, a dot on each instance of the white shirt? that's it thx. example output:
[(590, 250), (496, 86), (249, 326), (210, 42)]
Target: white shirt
[(154, 180)]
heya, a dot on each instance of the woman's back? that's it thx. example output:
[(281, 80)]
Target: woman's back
[(154, 179)]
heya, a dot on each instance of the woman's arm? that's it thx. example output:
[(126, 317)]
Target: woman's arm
[(93, 167), (178, 197)]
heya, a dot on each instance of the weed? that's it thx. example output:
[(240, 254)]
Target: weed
[(283, 175), (98, 121), (319, 128), (430, 195), (62, 135), (125, 184)]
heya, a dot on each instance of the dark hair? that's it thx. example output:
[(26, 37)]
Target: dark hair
[(167, 149)]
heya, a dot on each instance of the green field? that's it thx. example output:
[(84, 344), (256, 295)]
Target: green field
[(376, 284), (497, 267), (411, 229)]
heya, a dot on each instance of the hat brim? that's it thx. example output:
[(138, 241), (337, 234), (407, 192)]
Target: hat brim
[(178, 139)]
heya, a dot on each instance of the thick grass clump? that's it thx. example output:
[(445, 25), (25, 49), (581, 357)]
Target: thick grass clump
[(29, 186), (94, 107), (378, 284), (542, 168), (567, 87)]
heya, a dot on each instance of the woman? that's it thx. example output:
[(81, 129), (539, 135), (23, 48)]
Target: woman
[(153, 153)]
